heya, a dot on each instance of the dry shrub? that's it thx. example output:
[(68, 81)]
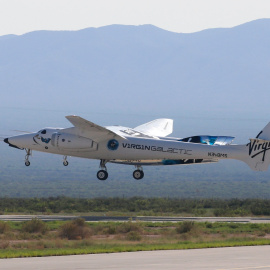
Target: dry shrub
[(35, 226), (185, 227), (59, 243), (4, 244), (129, 227), (134, 236), (4, 227), (208, 225), (75, 230), (260, 233), (111, 229)]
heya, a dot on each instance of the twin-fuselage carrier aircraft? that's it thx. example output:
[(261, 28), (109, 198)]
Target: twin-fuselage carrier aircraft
[(146, 144)]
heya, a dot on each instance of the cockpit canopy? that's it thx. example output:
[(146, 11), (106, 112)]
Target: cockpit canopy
[(210, 140)]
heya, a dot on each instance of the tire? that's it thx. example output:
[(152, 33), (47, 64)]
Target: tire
[(102, 175), (27, 163), (65, 163), (138, 174)]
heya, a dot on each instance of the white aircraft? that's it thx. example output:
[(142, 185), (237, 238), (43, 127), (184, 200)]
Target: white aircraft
[(146, 144)]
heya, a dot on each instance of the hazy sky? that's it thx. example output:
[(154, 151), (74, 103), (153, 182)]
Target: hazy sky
[(18, 17)]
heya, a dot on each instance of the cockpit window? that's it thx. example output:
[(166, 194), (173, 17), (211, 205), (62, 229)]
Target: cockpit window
[(43, 131)]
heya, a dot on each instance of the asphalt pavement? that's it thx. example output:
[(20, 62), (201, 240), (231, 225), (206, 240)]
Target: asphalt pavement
[(139, 218), (235, 258)]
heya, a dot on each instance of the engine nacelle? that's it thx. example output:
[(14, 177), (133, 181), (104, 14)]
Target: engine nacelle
[(72, 142)]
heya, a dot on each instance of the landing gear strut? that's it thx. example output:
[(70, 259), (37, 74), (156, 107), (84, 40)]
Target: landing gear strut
[(138, 174), (28, 153), (65, 162), (102, 174)]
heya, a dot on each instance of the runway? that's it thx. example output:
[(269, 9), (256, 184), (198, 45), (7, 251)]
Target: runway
[(236, 258), (139, 218)]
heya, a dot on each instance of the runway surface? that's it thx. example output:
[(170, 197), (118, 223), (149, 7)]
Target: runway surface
[(140, 218), (236, 258)]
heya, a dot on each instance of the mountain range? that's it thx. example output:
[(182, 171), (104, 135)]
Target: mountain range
[(121, 68)]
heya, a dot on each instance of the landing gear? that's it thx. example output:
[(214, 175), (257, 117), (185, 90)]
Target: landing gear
[(102, 174), (138, 174), (28, 153), (65, 162)]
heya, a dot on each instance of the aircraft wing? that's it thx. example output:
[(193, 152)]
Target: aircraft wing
[(159, 127), (91, 130)]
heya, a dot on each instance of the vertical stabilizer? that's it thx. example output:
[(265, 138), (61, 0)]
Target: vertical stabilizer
[(258, 154), (265, 133)]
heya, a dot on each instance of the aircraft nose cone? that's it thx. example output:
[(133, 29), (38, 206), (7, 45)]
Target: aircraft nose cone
[(6, 140)]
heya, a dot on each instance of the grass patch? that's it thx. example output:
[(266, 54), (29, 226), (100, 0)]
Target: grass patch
[(112, 248), (79, 237)]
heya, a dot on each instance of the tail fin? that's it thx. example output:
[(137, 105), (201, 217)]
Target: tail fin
[(265, 133), (258, 157)]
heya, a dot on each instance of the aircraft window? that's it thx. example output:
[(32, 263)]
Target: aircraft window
[(43, 131), (185, 139), (196, 139)]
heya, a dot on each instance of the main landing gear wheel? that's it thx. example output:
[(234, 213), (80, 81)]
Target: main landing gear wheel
[(138, 174), (102, 175)]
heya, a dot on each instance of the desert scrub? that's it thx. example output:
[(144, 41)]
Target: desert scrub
[(185, 227), (4, 244), (129, 227), (110, 229), (4, 227), (35, 226), (134, 236), (75, 230)]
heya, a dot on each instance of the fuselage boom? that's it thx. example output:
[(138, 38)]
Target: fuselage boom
[(66, 142)]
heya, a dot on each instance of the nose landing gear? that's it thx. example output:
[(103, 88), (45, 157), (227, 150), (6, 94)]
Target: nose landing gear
[(65, 162), (102, 174), (138, 174), (28, 153)]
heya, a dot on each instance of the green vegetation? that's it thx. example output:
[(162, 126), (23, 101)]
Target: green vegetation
[(137, 206), (79, 237)]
